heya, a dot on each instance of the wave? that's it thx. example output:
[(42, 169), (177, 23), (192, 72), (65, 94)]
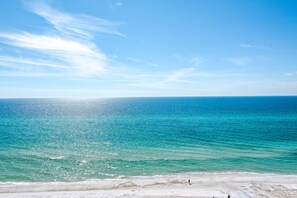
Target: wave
[(57, 157)]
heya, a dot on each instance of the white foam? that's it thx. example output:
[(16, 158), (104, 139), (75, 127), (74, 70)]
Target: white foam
[(57, 157), (236, 184)]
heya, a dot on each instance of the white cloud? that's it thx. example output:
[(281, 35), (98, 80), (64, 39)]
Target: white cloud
[(28, 74), (167, 80), (119, 3), (141, 61), (180, 74), (85, 58), (20, 66), (189, 58), (254, 46), (239, 60), (185, 75), (79, 24), (112, 3), (72, 47), (293, 73), (46, 43), (10, 60)]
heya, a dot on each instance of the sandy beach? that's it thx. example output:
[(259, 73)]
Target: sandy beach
[(235, 184)]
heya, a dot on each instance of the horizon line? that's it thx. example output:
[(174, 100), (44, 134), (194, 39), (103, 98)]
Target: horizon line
[(119, 97)]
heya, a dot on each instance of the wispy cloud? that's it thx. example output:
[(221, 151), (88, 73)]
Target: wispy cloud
[(292, 73), (7, 60), (239, 60), (78, 24), (112, 4), (83, 57), (20, 66), (194, 60), (141, 61), (174, 77), (72, 47), (180, 74), (254, 46), (28, 74), (185, 75), (119, 3)]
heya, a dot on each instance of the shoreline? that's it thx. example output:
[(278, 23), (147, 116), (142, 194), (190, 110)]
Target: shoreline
[(202, 184)]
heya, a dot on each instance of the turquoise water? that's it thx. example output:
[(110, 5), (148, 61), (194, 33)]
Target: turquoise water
[(70, 140)]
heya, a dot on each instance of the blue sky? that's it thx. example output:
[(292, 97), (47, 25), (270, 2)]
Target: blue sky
[(120, 48)]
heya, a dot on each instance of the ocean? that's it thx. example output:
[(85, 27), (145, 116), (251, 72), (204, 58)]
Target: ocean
[(45, 140)]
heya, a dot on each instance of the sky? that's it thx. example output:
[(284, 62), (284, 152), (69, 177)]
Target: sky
[(129, 48)]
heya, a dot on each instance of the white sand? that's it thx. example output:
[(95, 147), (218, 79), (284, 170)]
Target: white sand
[(235, 184)]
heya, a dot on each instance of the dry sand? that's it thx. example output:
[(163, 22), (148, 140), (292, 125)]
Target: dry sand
[(235, 184)]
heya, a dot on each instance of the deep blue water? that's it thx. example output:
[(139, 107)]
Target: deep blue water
[(69, 140)]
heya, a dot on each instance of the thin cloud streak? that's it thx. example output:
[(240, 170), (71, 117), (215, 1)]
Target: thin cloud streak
[(179, 75), (33, 62), (185, 75), (45, 42), (28, 74), (141, 61), (239, 60), (73, 24), (254, 46), (293, 73)]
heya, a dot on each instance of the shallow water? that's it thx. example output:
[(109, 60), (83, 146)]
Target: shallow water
[(71, 140)]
